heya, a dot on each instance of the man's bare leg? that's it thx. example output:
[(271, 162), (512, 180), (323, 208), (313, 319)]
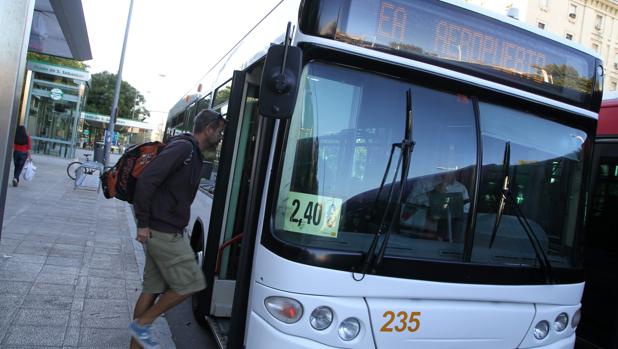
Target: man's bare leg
[(167, 301), (144, 302)]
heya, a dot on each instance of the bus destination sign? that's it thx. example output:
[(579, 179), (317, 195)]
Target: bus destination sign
[(444, 34)]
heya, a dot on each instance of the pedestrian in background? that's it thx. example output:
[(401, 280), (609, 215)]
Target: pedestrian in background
[(162, 205), (21, 152)]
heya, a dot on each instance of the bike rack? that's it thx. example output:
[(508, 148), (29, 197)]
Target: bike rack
[(84, 171)]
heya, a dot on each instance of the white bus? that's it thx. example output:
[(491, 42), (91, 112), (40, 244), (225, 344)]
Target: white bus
[(410, 175)]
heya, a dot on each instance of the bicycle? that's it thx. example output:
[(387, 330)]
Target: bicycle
[(73, 166)]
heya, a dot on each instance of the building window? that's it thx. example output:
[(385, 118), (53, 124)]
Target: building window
[(598, 22), (572, 11), (544, 4), (541, 25), (569, 36), (614, 85)]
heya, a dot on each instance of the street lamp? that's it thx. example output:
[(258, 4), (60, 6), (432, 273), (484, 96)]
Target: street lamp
[(112, 117)]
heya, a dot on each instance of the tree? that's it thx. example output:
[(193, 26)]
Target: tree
[(101, 96)]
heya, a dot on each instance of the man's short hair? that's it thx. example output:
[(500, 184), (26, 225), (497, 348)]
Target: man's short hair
[(204, 119)]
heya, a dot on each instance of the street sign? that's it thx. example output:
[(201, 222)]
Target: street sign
[(56, 94)]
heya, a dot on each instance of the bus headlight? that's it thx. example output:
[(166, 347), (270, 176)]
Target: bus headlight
[(321, 318), (576, 317), (541, 330), (284, 309), (349, 329), (561, 322)]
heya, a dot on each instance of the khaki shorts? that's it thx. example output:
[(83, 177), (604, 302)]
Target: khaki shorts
[(170, 264)]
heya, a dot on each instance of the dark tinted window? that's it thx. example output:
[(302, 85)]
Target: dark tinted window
[(545, 173)]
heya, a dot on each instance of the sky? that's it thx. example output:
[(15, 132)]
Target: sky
[(171, 44)]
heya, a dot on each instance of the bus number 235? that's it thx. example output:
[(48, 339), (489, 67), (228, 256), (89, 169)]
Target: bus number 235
[(401, 321)]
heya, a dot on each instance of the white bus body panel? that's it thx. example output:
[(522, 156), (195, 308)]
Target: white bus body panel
[(280, 273), (451, 315), (200, 213)]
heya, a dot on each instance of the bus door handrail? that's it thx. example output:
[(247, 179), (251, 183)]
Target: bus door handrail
[(223, 246)]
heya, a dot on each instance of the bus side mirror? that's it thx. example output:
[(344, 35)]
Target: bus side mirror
[(280, 80)]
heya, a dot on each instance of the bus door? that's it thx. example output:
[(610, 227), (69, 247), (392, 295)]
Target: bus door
[(225, 237), (599, 324)]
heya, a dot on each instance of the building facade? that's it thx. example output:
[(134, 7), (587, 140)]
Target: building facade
[(590, 23), (92, 129)]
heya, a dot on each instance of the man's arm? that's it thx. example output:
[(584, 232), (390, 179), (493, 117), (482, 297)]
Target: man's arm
[(167, 162)]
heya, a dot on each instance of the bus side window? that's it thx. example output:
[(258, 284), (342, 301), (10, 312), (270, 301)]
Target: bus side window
[(222, 96), (204, 103)]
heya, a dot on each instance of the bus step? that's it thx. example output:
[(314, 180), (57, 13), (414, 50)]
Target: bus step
[(220, 327)]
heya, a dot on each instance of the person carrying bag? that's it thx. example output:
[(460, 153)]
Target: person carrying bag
[(21, 152)]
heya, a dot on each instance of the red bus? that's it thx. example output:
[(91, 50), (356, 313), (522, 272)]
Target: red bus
[(599, 325)]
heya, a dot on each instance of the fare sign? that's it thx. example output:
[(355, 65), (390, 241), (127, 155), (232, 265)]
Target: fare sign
[(312, 214)]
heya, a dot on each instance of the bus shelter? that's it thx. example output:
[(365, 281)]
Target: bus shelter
[(53, 97)]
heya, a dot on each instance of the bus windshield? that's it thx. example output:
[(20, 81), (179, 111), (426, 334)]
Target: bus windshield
[(340, 139)]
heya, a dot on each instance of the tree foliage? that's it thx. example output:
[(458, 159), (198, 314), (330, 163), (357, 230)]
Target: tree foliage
[(71, 63), (101, 95)]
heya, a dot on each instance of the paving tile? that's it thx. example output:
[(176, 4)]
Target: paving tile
[(105, 282), (6, 251), (77, 304), (42, 301), (6, 316), (101, 337), (105, 320), (40, 251), (14, 287), (56, 269), (75, 319), (63, 279), (71, 338), (68, 247), (66, 253), (68, 240), (36, 244), (110, 273), (105, 306), (42, 317), (41, 237), (22, 267), (110, 251), (53, 289), (9, 241), (10, 300), (106, 293), (31, 336), (26, 258), (64, 261), (12, 275)]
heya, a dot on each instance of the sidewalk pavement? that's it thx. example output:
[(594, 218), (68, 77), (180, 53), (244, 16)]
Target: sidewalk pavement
[(70, 268)]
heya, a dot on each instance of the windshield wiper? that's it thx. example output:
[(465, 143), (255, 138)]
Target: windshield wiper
[(505, 188), (406, 146), (506, 194)]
